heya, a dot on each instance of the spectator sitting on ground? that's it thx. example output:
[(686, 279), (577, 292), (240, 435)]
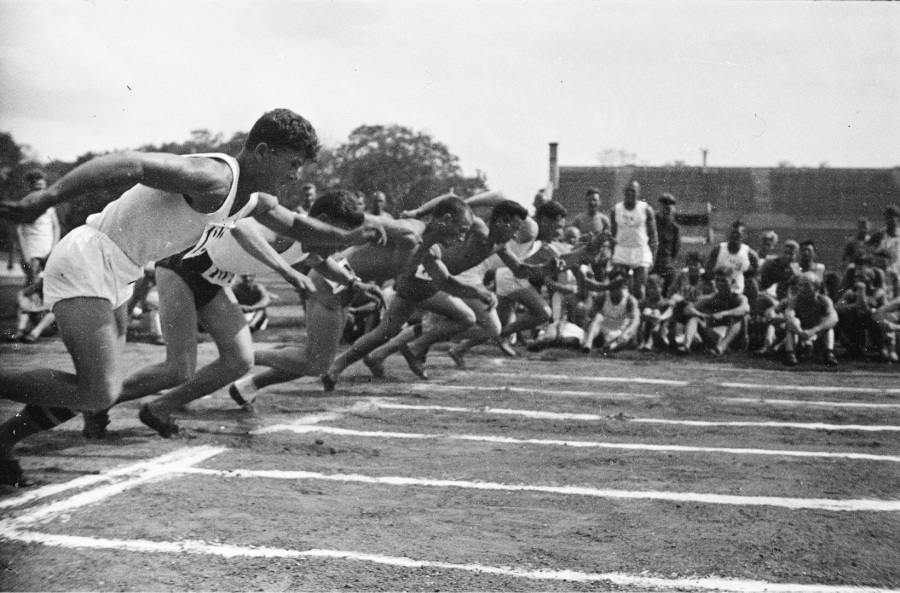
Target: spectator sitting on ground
[(888, 317), (253, 299), (716, 319), (690, 284), (655, 312), (858, 245), (34, 319), (806, 261), (760, 322), (779, 272), (808, 316), (616, 317), (767, 242), (857, 325)]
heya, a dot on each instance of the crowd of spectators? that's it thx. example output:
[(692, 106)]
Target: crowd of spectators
[(775, 300)]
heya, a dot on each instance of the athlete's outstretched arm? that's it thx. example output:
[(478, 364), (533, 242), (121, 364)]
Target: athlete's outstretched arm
[(252, 241), (314, 232), (207, 181)]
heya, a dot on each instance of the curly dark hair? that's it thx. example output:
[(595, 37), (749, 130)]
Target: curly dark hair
[(341, 206), (282, 128), (451, 205), (507, 210), (552, 210)]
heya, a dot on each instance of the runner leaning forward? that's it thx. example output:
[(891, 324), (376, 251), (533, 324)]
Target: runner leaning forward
[(175, 204)]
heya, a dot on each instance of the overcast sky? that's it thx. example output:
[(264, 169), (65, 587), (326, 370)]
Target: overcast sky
[(496, 81)]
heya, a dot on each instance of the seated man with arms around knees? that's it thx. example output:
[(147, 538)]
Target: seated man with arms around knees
[(716, 319)]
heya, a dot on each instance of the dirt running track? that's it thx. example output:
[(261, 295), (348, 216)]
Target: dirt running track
[(551, 472)]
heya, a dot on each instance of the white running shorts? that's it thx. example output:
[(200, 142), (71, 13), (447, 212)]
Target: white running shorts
[(86, 263), (633, 257)]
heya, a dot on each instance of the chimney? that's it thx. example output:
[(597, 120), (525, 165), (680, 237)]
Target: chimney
[(554, 166), (704, 151)]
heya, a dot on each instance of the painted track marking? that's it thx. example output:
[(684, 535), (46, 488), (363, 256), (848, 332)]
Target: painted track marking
[(794, 402), (623, 579), (581, 444), (597, 417), (823, 504)]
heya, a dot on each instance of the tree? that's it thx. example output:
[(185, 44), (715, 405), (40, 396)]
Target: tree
[(410, 167)]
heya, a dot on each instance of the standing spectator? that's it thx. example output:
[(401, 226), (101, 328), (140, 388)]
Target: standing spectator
[(669, 234), (309, 196), (716, 319), (36, 239), (253, 299), (888, 316), (734, 257), (807, 260), (778, 272), (808, 316), (890, 281), (857, 245), (592, 220), (633, 227), (889, 238), (767, 242), (379, 201)]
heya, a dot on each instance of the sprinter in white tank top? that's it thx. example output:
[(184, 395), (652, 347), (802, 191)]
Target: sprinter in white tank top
[(633, 227), (174, 203)]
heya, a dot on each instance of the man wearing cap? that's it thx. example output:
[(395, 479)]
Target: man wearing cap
[(592, 220), (669, 234)]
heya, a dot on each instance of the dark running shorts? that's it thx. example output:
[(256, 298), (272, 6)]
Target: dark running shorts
[(191, 271)]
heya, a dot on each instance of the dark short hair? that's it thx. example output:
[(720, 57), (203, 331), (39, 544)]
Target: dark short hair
[(738, 224), (809, 242), (507, 210), (591, 191), (553, 210), (892, 210), (453, 206), (282, 128), (340, 205), (34, 174)]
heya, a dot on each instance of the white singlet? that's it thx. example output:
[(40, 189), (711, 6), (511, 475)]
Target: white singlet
[(149, 224), (36, 238), (631, 225), (736, 263)]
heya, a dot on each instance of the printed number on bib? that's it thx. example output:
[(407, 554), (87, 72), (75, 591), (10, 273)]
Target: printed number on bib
[(219, 277), (213, 232), (421, 274)]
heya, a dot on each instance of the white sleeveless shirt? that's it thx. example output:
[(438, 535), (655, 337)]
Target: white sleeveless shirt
[(149, 224), (631, 225), (736, 263)]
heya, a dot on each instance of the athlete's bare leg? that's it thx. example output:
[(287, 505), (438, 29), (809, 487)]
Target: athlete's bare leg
[(227, 327)]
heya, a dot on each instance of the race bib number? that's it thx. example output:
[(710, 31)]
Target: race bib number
[(337, 287), (219, 277), (213, 232)]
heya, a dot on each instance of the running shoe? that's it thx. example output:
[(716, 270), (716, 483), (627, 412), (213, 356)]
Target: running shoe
[(95, 424)]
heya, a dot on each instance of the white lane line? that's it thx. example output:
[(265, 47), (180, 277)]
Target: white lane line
[(597, 417), (815, 388), (801, 425), (587, 444), (825, 504), (393, 389), (641, 380), (85, 481), (631, 580), (794, 402), (176, 463)]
